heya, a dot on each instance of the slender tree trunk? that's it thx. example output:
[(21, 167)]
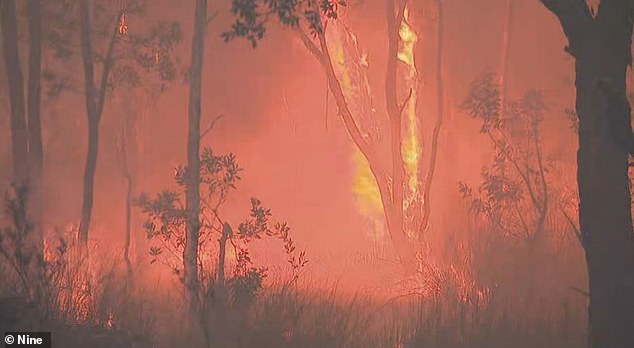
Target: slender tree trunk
[(93, 122), (190, 253), (138, 140), (36, 156), (26, 136), (128, 195), (393, 212), (395, 208), (95, 99), (19, 135), (128, 221), (440, 100), (602, 48), (127, 159), (504, 59), (222, 242)]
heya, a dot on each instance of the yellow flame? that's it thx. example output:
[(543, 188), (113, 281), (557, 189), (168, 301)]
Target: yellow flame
[(368, 196), (364, 186), (339, 59), (411, 144)]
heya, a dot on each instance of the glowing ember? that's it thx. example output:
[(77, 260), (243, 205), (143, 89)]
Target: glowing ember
[(123, 24), (110, 320)]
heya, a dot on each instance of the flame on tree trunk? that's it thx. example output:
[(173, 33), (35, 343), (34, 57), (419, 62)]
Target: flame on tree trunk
[(404, 202)]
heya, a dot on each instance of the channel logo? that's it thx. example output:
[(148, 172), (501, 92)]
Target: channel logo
[(27, 339)]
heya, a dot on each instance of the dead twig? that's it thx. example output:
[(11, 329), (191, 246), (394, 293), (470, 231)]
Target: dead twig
[(405, 102), (211, 126)]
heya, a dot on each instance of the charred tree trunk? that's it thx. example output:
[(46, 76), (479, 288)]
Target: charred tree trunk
[(93, 122), (36, 156), (25, 128), (34, 89), (395, 209), (19, 136), (128, 221), (440, 100), (95, 99), (222, 243), (190, 253), (127, 175), (601, 46), (504, 59)]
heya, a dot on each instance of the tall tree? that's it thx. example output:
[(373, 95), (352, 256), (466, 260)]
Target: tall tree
[(121, 63), (405, 198), (125, 159), (440, 101), (601, 42), (192, 194), (36, 151), (36, 156), (95, 99), (19, 135), (505, 52), (26, 131)]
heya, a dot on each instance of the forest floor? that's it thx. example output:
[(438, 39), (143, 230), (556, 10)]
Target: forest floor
[(289, 317)]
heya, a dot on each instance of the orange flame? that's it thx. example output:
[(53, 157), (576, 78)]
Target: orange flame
[(411, 147), (364, 186), (123, 24)]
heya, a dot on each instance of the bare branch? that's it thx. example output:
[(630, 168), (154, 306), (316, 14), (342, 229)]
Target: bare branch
[(107, 66), (573, 226), (580, 291), (401, 108), (310, 45), (212, 17), (211, 126)]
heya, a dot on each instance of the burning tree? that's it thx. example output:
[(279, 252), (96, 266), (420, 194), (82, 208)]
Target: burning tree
[(390, 143)]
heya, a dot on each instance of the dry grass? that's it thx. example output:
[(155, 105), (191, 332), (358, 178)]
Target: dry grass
[(97, 305), (285, 317)]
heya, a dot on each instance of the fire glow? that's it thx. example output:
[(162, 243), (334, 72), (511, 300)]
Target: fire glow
[(411, 144)]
